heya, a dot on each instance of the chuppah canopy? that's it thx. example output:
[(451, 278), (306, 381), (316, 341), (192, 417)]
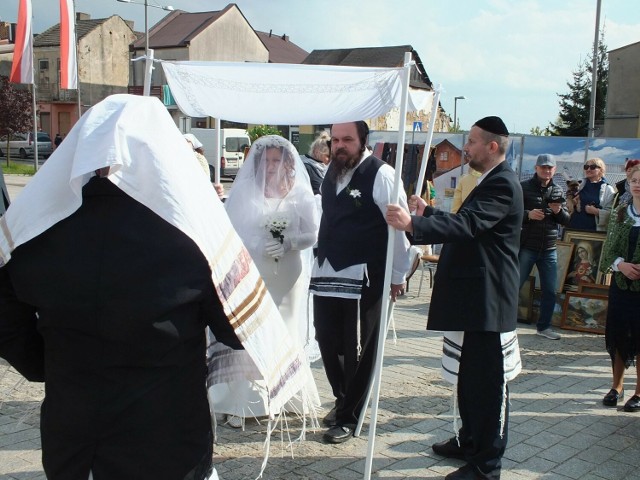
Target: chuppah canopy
[(284, 94), (310, 94)]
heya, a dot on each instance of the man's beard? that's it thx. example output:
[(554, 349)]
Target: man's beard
[(340, 166)]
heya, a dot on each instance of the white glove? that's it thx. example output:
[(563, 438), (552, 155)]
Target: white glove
[(273, 248)]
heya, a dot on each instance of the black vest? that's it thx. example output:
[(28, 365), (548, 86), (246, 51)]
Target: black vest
[(352, 229)]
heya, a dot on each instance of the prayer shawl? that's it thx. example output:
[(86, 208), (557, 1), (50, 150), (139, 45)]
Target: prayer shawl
[(451, 351), (150, 161)]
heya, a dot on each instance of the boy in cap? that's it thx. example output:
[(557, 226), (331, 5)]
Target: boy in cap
[(544, 211), (479, 258)]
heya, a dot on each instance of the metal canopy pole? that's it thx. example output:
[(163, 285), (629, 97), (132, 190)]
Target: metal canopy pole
[(384, 319)]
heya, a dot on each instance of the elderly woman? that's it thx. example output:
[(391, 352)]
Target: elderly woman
[(273, 209), (622, 257), (592, 205)]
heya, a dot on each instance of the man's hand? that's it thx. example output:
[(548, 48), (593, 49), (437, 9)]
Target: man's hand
[(536, 214), (416, 205), (397, 290), (555, 207), (399, 218)]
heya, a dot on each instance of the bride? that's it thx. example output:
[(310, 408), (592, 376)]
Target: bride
[(272, 207)]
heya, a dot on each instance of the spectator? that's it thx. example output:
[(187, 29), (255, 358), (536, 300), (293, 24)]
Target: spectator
[(592, 206), (467, 183), (480, 258), (624, 192), (544, 210), (622, 257), (316, 160)]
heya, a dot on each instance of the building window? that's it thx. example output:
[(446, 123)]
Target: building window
[(44, 64), (444, 156)]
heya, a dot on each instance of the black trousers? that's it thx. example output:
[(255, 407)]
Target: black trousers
[(481, 400), (335, 321)]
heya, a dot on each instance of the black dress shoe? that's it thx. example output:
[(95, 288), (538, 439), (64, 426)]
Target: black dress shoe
[(633, 404), (338, 434), (469, 472), (448, 448), (330, 419), (611, 398)]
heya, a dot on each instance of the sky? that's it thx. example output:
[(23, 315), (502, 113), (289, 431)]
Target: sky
[(507, 58)]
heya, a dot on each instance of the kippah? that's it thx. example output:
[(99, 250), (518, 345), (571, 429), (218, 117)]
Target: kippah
[(493, 125)]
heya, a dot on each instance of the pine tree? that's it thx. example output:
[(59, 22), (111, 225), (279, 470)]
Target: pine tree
[(573, 119)]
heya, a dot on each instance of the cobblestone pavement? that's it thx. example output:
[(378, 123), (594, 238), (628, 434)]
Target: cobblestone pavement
[(558, 426)]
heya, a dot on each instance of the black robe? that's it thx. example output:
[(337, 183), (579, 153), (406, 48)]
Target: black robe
[(122, 301)]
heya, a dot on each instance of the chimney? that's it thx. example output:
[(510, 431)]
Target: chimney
[(82, 16), (270, 33), (284, 37)]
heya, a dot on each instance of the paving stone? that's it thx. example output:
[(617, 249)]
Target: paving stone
[(559, 429)]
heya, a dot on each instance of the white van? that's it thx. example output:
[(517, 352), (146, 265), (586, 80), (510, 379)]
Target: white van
[(232, 146)]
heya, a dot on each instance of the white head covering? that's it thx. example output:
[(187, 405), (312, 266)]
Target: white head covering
[(193, 140), (271, 175), (136, 137)]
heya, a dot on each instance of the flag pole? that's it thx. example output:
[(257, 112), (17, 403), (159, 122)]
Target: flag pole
[(382, 330), (35, 126), (75, 41)]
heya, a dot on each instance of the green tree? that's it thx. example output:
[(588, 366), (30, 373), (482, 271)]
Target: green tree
[(262, 130), (15, 111), (573, 119), (539, 132)]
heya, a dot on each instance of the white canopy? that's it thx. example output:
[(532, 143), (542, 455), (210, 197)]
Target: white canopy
[(287, 94)]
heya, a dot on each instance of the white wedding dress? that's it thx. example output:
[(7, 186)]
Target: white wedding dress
[(287, 281)]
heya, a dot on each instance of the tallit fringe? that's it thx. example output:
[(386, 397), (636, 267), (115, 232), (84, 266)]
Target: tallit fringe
[(308, 416)]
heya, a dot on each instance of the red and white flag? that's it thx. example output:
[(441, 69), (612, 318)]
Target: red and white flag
[(68, 62), (22, 67)]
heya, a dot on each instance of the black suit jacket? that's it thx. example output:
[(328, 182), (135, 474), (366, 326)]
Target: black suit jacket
[(476, 283)]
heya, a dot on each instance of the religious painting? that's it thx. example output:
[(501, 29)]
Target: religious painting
[(585, 312), (585, 259), (524, 300), (564, 251)]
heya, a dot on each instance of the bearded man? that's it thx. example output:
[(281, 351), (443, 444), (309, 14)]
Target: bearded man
[(348, 276)]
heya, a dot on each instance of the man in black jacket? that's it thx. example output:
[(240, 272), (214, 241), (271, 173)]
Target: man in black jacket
[(544, 210)]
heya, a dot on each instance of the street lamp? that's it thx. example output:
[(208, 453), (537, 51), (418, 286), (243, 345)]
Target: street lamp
[(149, 60), (455, 107)]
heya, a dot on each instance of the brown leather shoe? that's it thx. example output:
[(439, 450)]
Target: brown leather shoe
[(449, 448)]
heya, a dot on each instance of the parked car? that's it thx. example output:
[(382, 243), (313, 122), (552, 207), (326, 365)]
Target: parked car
[(21, 145)]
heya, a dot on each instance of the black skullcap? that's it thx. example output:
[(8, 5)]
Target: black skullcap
[(493, 125)]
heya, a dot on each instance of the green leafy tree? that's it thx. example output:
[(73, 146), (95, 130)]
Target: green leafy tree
[(573, 119), (262, 130), (15, 111)]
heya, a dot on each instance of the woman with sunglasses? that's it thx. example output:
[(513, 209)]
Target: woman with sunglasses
[(592, 205)]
